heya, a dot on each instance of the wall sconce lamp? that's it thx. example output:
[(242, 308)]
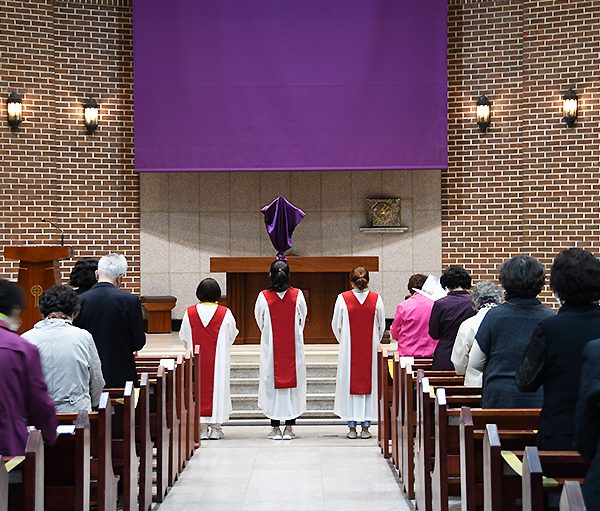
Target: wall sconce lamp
[(91, 115), (15, 110), (570, 107), (483, 113)]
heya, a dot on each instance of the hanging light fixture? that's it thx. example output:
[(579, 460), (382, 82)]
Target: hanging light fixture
[(91, 115), (15, 110), (570, 107), (483, 113)]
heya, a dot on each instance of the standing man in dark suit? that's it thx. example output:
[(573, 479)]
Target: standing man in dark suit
[(587, 423), (114, 318)]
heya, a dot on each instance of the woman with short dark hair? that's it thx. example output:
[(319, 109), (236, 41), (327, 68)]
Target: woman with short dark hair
[(211, 327), (280, 314), (506, 331), (83, 274), (554, 356), (448, 313), (70, 360)]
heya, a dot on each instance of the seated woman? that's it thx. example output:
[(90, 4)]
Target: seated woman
[(448, 313), (587, 422), (554, 356), (485, 295), (70, 360), (411, 322), (212, 327), (83, 275), (505, 333)]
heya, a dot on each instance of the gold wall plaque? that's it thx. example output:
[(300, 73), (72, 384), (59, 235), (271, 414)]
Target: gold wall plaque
[(383, 212)]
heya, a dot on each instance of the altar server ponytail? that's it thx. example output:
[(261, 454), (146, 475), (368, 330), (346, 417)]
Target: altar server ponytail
[(279, 276)]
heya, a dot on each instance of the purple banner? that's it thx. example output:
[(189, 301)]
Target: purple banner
[(290, 84)]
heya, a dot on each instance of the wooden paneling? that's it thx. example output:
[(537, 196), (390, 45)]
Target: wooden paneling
[(319, 278)]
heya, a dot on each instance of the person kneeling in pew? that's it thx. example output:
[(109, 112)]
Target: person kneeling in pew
[(25, 398), (212, 327), (70, 360)]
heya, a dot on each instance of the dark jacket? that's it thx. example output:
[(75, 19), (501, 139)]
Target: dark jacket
[(446, 317), (587, 423), (114, 318), (503, 336), (24, 397), (553, 359)]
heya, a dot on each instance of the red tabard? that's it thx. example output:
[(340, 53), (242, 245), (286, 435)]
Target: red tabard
[(206, 337), (283, 323), (362, 318)]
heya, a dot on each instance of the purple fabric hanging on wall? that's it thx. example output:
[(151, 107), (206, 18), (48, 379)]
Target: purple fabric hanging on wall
[(290, 84)]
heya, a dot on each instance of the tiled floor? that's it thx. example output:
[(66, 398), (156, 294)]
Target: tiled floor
[(319, 470)]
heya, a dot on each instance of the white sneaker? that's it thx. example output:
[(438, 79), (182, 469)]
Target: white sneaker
[(275, 434), (288, 434), (216, 434), (204, 434)]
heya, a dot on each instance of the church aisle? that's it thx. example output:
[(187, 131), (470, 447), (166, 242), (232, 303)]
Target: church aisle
[(320, 470)]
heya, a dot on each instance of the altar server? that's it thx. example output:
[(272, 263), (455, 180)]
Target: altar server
[(280, 313), (358, 325), (212, 327)]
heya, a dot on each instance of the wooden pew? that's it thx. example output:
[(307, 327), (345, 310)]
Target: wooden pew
[(124, 456), (398, 405), (455, 395), (196, 393), (67, 468), (144, 444), (571, 498), (407, 439), (395, 412), (515, 477), (544, 474), (384, 396), (182, 440), (164, 422), (516, 431), (190, 405), (28, 493), (104, 482), (445, 477)]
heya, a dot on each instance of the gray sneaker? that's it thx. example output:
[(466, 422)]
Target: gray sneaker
[(352, 434), (365, 434), (204, 434), (216, 434), (275, 434), (288, 433)]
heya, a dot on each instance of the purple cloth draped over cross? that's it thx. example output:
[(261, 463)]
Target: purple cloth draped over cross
[(281, 218)]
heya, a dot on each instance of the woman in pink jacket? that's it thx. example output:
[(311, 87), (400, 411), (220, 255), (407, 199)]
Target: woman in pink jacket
[(411, 323)]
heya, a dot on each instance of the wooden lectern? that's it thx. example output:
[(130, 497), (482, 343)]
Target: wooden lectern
[(38, 271), (321, 279)]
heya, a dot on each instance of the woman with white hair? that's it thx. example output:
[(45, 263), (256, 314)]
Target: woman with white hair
[(485, 295), (114, 318)]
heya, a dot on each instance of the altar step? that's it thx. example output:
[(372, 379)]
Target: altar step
[(321, 369)]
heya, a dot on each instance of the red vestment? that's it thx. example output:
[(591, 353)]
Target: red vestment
[(283, 324), (206, 337), (362, 319)]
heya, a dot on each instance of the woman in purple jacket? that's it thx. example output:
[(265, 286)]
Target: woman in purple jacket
[(25, 400), (448, 313)]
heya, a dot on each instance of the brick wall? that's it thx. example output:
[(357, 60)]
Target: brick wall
[(56, 54), (530, 184)]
